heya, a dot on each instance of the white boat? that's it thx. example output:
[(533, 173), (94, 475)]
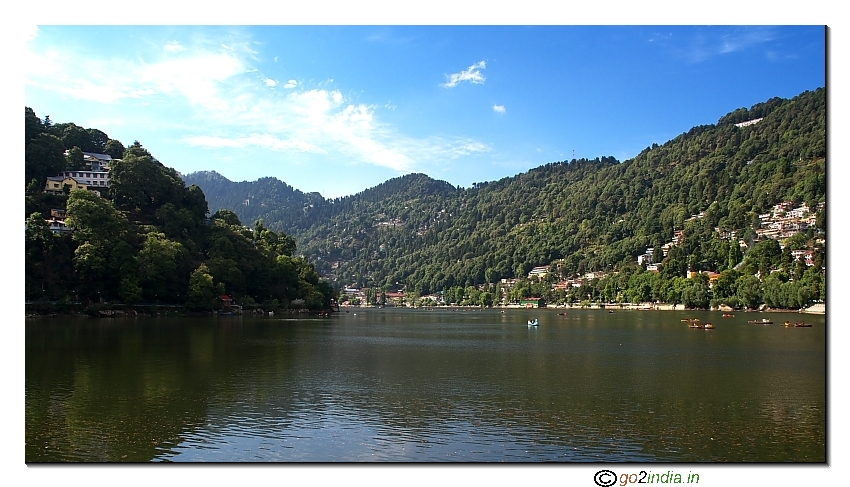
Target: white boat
[(533, 322)]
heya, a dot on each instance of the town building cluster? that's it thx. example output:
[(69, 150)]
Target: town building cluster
[(784, 221)]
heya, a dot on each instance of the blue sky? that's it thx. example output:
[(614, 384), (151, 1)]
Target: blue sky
[(338, 109)]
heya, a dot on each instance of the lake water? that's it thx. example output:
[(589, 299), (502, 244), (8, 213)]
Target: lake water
[(443, 385)]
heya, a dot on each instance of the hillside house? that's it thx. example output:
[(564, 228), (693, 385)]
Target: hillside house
[(93, 178), (58, 226), (89, 178), (56, 184), (749, 122), (647, 257), (539, 272), (807, 256), (712, 276)]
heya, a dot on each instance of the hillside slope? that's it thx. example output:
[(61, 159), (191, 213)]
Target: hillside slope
[(587, 214)]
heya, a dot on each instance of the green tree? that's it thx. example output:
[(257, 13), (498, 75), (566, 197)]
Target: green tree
[(129, 291), (75, 159), (140, 185), (93, 219), (735, 255), (227, 216), (697, 294), (43, 152), (726, 284), (201, 295), (160, 262), (114, 149), (749, 291)]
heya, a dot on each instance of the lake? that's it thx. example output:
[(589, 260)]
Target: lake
[(443, 385)]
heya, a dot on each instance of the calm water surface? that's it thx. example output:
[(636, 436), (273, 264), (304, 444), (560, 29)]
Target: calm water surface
[(447, 385)]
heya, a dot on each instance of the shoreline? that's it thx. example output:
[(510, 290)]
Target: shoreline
[(157, 310), (819, 308)]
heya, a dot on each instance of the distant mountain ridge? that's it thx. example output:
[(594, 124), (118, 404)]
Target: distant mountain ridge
[(267, 198)]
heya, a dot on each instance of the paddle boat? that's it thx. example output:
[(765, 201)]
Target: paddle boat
[(800, 324), (763, 321), (534, 322), (701, 326)]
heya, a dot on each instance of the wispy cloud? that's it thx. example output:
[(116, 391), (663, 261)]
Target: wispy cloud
[(290, 84), (270, 82), (738, 41), (388, 36), (173, 46), (499, 108), (472, 74), (703, 47)]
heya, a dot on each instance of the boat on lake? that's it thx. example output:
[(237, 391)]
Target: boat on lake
[(534, 322), (763, 321), (800, 324), (728, 315)]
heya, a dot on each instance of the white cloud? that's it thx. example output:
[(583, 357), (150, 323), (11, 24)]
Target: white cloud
[(196, 78), (173, 46), (466, 148), (222, 106), (499, 108), (264, 141), (473, 75)]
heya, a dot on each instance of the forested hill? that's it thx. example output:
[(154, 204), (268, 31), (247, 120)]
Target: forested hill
[(145, 237), (585, 215)]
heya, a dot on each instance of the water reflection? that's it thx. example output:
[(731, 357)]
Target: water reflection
[(424, 386)]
